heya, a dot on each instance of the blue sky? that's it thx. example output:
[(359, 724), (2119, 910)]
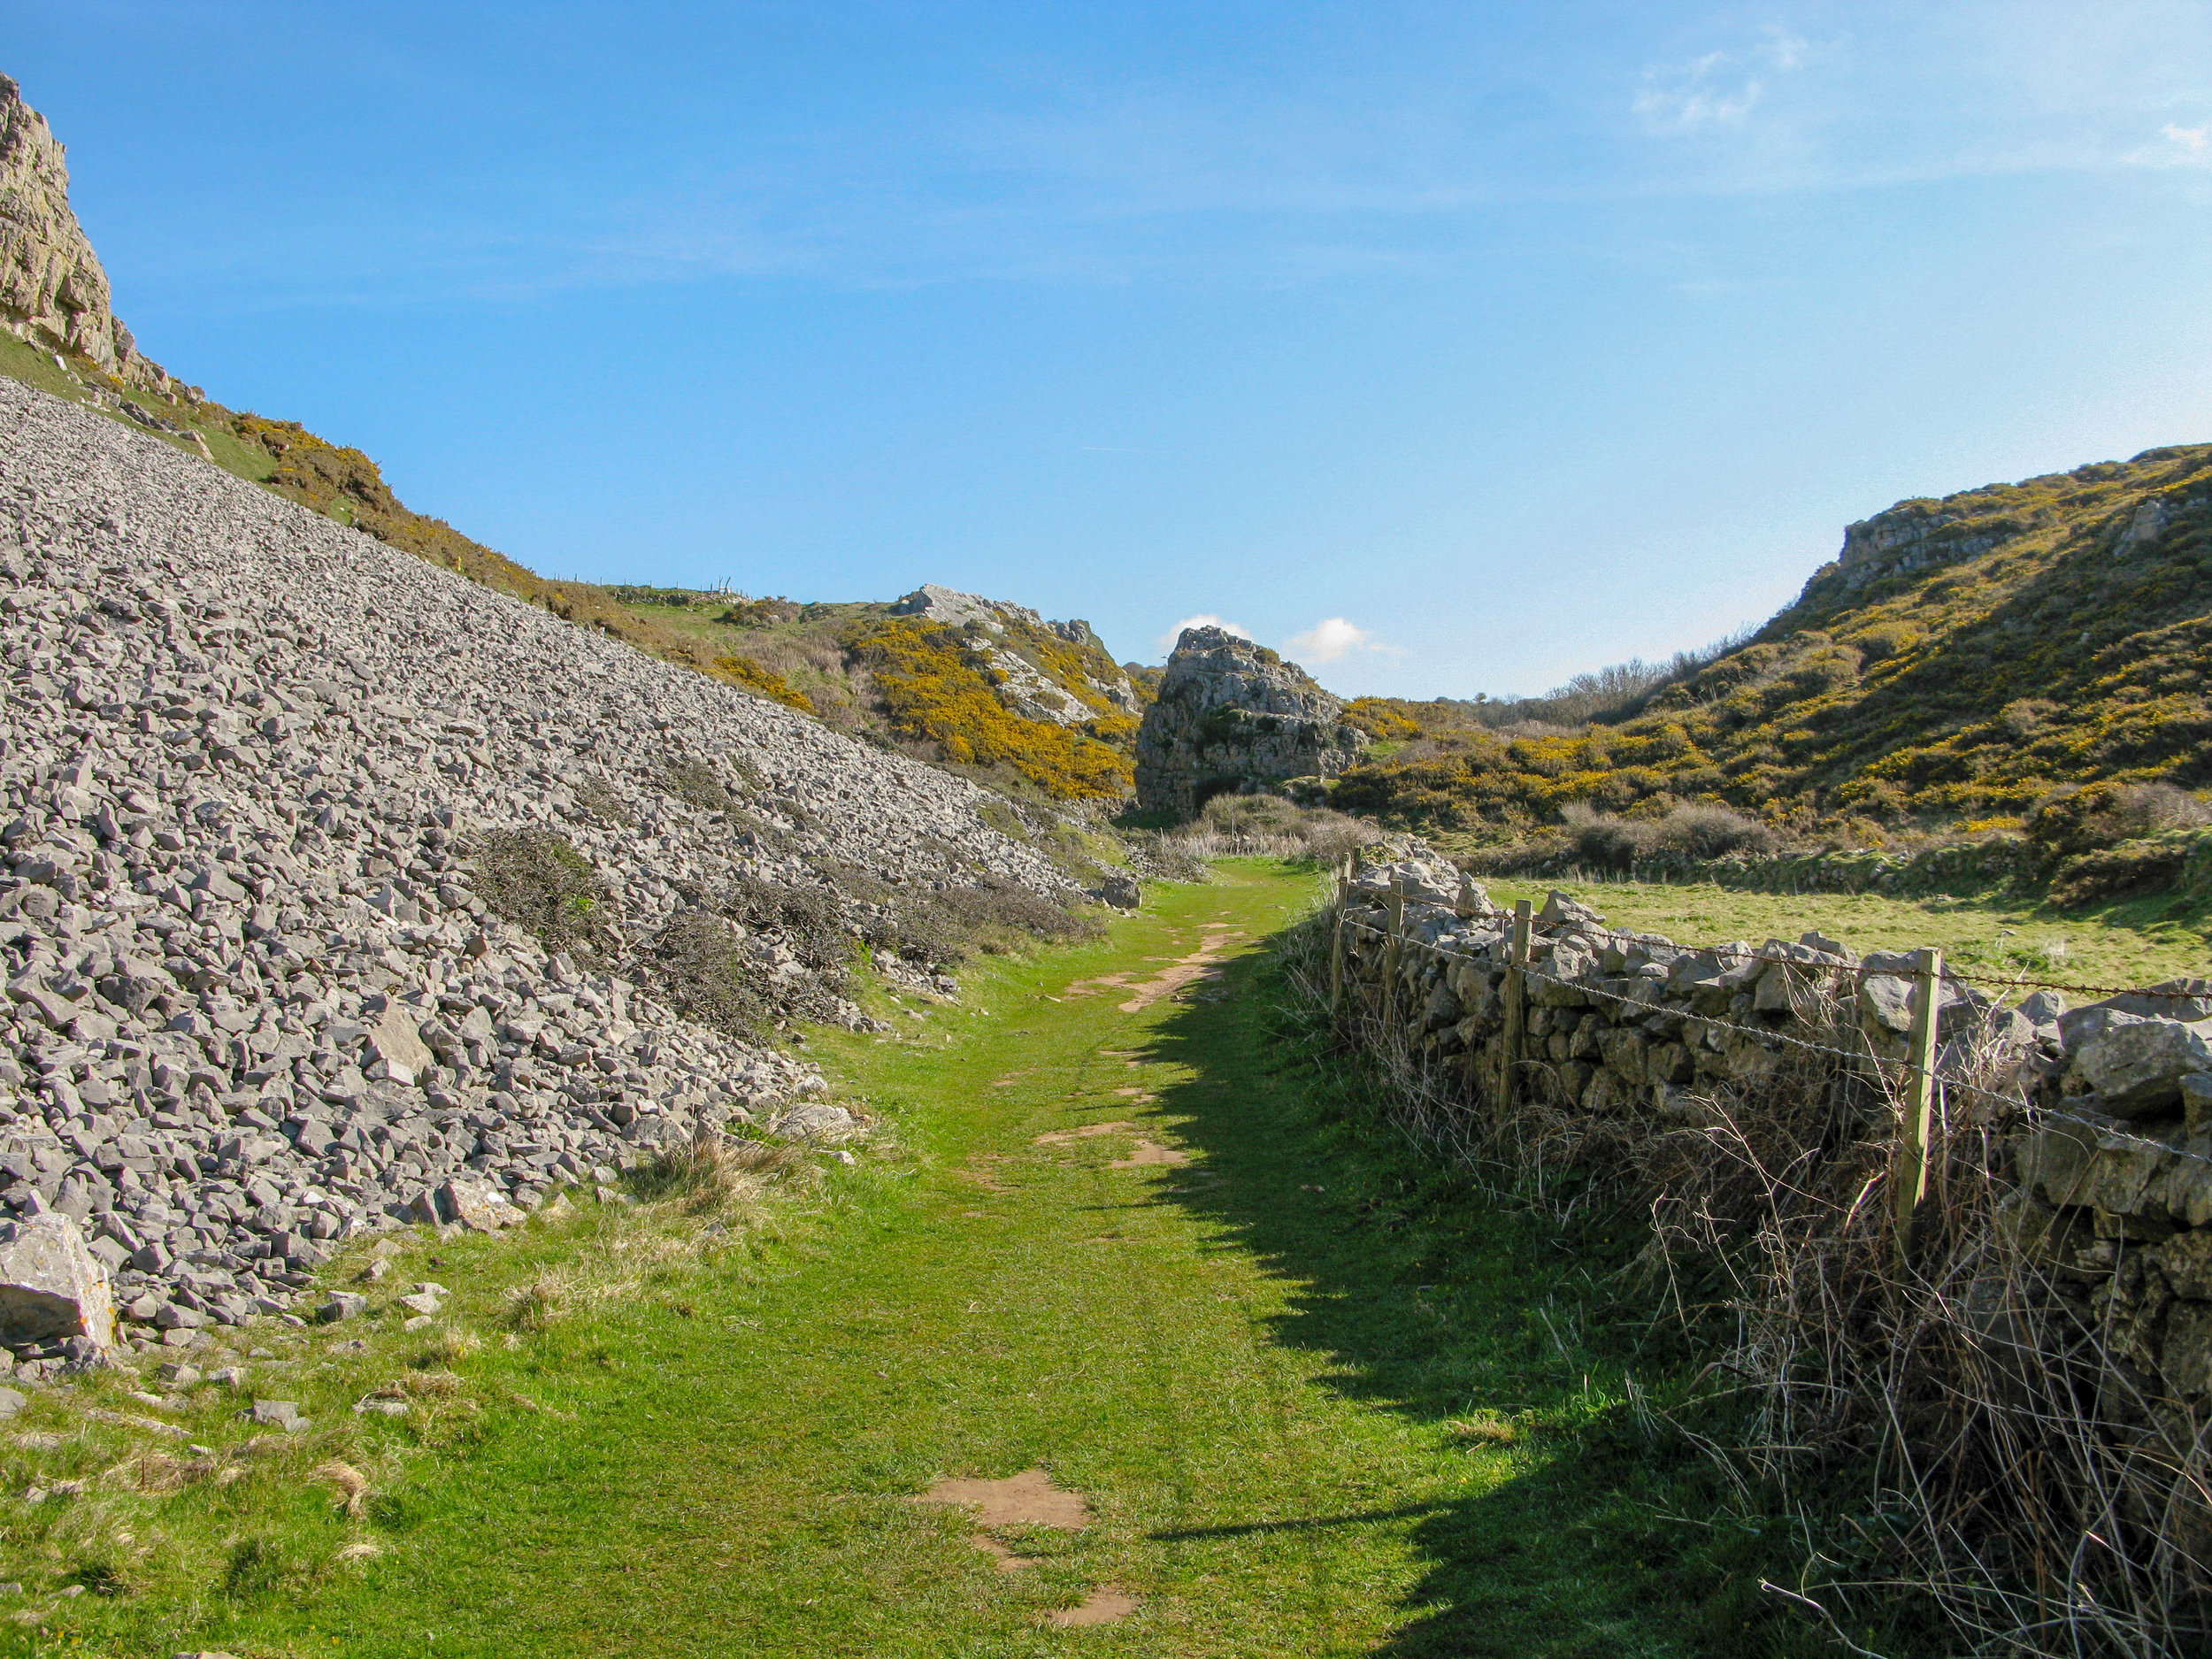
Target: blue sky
[(1455, 348)]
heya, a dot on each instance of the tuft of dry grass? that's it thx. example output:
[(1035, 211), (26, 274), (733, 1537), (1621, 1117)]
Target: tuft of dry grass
[(350, 1484), (447, 1348)]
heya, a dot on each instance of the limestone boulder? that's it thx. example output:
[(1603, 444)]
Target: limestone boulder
[(1232, 716), (2136, 1065), (52, 1287)]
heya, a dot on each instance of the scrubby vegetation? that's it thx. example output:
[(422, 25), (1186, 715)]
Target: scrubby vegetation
[(538, 881), (938, 685), (2021, 658)]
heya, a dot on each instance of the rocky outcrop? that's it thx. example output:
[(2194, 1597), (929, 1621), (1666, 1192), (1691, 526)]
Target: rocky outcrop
[(1233, 717), (1088, 685), (332, 883), (52, 289)]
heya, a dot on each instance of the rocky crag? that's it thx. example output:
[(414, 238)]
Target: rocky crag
[(274, 791), (1234, 715), (53, 291), (1028, 688)]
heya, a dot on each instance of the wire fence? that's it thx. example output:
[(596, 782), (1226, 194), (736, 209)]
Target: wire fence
[(2019, 1102), (2030, 1469)]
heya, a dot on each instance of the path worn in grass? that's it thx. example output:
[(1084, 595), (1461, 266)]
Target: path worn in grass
[(1315, 1399)]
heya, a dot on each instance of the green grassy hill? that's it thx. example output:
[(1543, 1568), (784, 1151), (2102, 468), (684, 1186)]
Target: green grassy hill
[(1960, 663)]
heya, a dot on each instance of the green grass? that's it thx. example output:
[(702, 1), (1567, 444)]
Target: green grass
[(1257, 1366), (2139, 941), (21, 361)]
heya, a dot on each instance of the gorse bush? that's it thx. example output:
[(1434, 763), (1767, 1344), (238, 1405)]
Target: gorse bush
[(936, 685)]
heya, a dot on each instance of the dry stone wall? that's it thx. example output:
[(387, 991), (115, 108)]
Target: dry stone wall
[(256, 1002), (2108, 1106)]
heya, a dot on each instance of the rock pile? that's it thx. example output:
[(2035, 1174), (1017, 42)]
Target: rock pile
[(53, 291), (258, 999), (1234, 716)]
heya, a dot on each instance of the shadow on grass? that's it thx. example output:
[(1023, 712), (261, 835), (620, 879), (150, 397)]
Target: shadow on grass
[(1434, 1302)]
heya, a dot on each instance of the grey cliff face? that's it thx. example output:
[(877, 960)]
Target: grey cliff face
[(1232, 716), (52, 289)]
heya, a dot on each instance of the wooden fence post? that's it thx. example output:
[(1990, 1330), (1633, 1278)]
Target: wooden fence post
[(1515, 1009), (1919, 1127), (1336, 962), (1394, 949)]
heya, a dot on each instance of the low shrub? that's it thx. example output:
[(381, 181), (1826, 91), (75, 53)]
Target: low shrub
[(538, 881), (1257, 826), (595, 796), (1715, 831), (811, 920), (2153, 864), (703, 971), (695, 781), (2071, 822), (1602, 842), (945, 926)]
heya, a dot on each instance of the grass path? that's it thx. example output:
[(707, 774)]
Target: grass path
[(1258, 1365)]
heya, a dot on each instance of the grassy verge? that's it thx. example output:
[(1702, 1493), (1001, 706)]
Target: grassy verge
[(1322, 1397), (2138, 941)]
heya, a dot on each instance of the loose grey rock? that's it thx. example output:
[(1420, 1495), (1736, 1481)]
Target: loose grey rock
[(342, 1304), (52, 1287), (257, 1000), (277, 1414), (11, 1401)]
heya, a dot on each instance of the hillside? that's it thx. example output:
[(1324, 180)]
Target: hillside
[(336, 877), (992, 690), (1958, 662)]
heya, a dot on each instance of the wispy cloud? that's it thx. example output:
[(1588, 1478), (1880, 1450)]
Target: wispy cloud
[(1326, 640), (2178, 146), (1166, 641), (1720, 88)]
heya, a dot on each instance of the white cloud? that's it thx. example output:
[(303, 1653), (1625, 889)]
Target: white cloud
[(1326, 641), (2184, 147), (1166, 641), (1718, 90)]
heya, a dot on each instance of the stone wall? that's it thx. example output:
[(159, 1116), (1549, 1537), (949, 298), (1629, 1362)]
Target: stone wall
[(2106, 1109)]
